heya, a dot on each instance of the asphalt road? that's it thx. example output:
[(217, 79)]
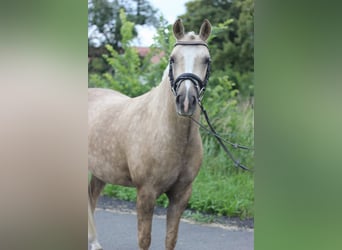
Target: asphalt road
[(117, 230)]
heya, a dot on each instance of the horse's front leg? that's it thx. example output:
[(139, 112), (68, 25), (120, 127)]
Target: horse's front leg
[(145, 205), (178, 200)]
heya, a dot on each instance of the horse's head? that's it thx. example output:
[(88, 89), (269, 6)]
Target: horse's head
[(189, 67)]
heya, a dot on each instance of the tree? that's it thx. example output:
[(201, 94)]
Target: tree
[(141, 12), (232, 45), (129, 74), (104, 23)]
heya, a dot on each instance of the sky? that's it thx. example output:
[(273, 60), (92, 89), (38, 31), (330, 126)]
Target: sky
[(170, 10)]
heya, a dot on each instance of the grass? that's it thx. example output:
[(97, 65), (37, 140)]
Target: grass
[(229, 194), (198, 217), (220, 188)]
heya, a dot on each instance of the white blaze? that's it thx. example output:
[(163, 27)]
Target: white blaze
[(186, 100), (189, 67), (189, 60)]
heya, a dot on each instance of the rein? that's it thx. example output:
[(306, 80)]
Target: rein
[(220, 139)]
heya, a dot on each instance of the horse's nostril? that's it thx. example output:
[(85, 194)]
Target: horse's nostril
[(193, 100), (177, 98)]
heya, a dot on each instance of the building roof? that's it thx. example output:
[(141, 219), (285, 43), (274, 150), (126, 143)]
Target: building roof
[(143, 51)]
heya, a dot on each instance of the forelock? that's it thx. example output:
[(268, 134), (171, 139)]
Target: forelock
[(191, 36)]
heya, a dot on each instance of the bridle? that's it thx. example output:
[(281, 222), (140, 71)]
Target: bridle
[(196, 80), (200, 87)]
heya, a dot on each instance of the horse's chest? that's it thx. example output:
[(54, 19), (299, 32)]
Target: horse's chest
[(168, 163), (162, 158)]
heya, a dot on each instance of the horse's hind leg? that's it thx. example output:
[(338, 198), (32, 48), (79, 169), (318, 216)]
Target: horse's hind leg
[(178, 200), (94, 189), (92, 237)]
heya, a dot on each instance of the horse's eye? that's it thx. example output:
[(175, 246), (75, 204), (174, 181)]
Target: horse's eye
[(172, 59), (206, 60)]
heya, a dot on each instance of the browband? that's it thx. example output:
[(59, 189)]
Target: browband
[(191, 43)]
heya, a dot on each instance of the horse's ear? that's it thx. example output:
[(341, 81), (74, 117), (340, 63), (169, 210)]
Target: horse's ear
[(205, 30), (178, 29)]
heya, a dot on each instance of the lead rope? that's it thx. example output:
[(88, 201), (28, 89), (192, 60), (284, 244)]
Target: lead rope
[(220, 139)]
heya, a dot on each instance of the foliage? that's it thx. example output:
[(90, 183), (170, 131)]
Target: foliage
[(105, 23), (222, 190), (233, 119), (130, 74), (127, 75), (141, 12), (163, 43), (101, 16), (232, 45), (198, 217)]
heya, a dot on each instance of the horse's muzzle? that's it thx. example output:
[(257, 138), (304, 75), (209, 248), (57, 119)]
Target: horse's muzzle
[(186, 104)]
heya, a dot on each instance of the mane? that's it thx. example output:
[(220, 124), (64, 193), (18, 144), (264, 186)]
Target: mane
[(166, 73)]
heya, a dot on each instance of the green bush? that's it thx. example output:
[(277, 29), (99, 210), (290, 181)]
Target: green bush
[(130, 74)]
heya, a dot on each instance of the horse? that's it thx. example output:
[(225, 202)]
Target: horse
[(149, 142)]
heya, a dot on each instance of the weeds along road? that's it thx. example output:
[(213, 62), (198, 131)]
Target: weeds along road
[(117, 230)]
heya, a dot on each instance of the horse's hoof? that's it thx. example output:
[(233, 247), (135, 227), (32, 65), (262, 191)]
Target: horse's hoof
[(95, 246)]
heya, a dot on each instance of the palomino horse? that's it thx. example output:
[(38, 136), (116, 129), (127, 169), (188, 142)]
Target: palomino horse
[(149, 142)]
